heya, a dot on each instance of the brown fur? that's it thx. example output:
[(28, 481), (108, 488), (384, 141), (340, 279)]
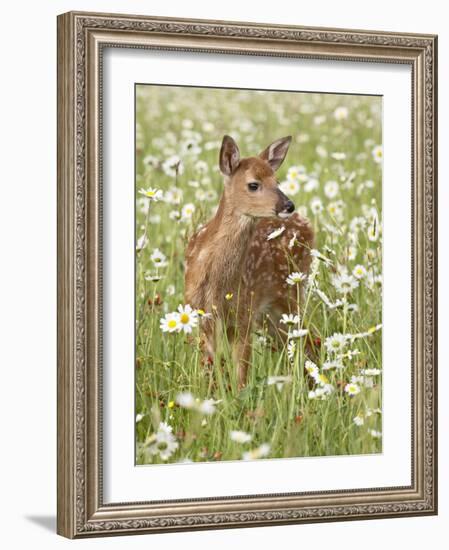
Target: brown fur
[(231, 253)]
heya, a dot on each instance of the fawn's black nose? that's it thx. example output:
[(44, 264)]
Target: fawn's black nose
[(289, 207)]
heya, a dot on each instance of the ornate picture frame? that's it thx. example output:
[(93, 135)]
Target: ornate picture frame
[(82, 38)]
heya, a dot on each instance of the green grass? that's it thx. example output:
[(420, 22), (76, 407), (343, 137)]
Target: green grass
[(289, 420)]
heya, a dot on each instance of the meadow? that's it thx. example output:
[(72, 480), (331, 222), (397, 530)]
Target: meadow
[(295, 404)]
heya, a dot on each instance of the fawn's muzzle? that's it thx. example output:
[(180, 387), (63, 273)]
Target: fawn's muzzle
[(285, 207)]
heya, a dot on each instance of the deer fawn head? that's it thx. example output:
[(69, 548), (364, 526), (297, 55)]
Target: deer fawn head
[(251, 187)]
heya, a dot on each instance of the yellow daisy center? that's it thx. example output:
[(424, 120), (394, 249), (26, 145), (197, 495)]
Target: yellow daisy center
[(185, 318), (172, 323)]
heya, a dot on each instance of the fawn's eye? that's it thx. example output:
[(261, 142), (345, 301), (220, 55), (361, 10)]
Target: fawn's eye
[(253, 186)]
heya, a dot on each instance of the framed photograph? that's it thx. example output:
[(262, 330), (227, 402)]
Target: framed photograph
[(246, 274)]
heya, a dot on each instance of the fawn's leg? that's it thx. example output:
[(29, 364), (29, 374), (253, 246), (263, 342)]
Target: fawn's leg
[(207, 336), (242, 356), (242, 347)]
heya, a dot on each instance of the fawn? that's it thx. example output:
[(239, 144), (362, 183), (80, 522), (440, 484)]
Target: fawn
[(231, 253)]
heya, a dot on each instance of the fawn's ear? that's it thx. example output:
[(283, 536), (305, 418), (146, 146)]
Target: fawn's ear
[(275, 153), (229, 156)]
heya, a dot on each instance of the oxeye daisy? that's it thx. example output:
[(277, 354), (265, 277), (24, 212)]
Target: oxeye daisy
[(201, 166), (331, 189), (358, 420), (153, 277), (359, 271), (291, 349), (185, 400), (321, 393), (158, 258), (142, 242), (370, 331), (357, 224), (174, 215), (317, 254), (153, 194), (366, 381), (188, 318), (377, 154), (373, 281), (370, 372), (336, 364), (373, 232), (151, 160), (293, 241), (344, 283), (190, 147), (351, 353), (311, 369), (335, 343), (311, 185), (207, 406), (321, 151), (171, 323), (276, 233), (352, 389), (163, 442), (173, 166), (335, 209), (200, 195), (294, 172), (260, 452), (289, 187), (352, 252), (142, 205), (279, 381), (296, 278), (316, 205), (187, 211), (263, 340), (297, 333), (341, 113), (239, 436), (173, 195), (211, 195), (338, 156), (289, 319)]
